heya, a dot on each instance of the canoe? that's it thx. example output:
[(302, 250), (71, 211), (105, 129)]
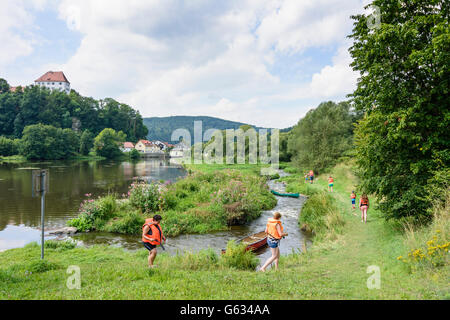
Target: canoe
[(291, 195), (254, 242)]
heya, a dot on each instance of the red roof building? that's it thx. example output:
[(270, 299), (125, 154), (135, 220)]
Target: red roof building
[(14, 89), (52, 76), (128, 145), (54, 81)]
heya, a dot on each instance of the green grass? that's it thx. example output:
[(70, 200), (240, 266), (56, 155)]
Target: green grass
[(332, 269), (13, 159), (206, 200)]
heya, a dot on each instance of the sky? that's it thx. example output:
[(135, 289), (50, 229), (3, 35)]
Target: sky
[(263, 62)]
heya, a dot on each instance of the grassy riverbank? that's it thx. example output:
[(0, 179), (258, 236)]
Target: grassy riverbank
[(210, 198), (13, 159), (336, 267)]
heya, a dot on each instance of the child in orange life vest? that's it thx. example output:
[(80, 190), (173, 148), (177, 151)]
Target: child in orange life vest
[(152, 236), (330, 183), (364, 206), (275, 233), (311, 176), (353, 197)]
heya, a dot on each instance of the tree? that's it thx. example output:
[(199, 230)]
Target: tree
[(8, 147), (403, 141), (70, 141), (9, 103), (134, 155), (48, 143), (86, 142), (322, 137), (4, 86), (285, 154), (107, 143)]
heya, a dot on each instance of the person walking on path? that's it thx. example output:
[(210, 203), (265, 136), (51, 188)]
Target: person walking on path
[(311, 176), (364, 206), (330, 184), (353, 197), (275, 233), (152, 236)]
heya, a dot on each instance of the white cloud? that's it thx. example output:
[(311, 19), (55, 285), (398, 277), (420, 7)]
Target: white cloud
[(205, 57), (14, 22), (337, 79)]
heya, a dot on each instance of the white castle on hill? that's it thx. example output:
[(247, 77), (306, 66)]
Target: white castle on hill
[(54, 81)]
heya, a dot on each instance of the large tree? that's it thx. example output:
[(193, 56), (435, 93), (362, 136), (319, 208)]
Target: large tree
[(322, 137), (107, 143), (49, 143), (403, 141)]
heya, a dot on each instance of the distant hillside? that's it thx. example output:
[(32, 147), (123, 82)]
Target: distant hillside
[(162, 128)]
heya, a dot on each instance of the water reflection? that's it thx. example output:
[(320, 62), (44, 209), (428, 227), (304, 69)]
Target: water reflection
[(69, 182)]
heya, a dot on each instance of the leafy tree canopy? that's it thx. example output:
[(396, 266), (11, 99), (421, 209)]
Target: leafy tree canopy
[(107, 143), (322, 137), (403, 141)]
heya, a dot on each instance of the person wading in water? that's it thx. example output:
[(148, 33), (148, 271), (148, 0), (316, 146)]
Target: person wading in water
[(275, 233), (152, 236)]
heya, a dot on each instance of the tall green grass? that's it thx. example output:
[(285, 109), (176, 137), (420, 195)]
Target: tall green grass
[(322, 217)]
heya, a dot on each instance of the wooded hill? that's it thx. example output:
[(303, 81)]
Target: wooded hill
[(162, 128)]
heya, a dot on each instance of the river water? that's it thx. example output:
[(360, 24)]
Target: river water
[(71, 181), (288, 207)]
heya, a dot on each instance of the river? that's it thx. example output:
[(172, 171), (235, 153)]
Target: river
[(71, 181)]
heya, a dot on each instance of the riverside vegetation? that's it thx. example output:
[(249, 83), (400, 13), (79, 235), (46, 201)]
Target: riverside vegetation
[(390, 141), (335, 267), (203, 202)]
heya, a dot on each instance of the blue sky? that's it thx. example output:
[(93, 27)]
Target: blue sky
[(262, 62)]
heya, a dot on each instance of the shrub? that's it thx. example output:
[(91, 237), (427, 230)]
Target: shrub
[(428, 246), (92, 211), (60, 245), (145, 197), (41, 266), (321, 216), (134, 155), (8, 147), (238, 257), (83, 222), (129, 224)]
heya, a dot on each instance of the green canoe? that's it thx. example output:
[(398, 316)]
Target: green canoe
[(291, 195)]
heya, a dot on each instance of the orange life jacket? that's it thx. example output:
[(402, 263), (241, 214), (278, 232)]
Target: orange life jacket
[(364, 202), (272, 228), (155, 232), (331, 180)]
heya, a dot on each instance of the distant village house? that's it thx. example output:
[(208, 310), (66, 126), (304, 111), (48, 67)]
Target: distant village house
[(127, 147), (145, 146), (180, 151)]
